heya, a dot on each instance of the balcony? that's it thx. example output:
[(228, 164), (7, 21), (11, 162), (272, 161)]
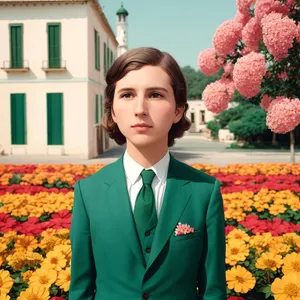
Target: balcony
[(15, 66), (54, 65)]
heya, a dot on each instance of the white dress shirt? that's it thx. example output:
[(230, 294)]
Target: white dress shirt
[(135, 183)]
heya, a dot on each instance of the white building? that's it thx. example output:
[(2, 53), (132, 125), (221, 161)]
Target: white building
[(199, 114), (53, 56), (122, 30)]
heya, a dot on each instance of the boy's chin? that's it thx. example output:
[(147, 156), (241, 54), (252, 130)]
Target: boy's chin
[(143, 141)]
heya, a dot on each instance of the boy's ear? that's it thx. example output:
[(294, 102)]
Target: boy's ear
[(178, 114)]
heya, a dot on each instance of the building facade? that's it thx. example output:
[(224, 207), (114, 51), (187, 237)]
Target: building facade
[(54, 56), (200, 115)]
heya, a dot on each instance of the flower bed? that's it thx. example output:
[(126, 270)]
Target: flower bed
[(262, 227)]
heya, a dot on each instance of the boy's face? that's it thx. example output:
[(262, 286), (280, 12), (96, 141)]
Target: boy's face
[(144, 107)]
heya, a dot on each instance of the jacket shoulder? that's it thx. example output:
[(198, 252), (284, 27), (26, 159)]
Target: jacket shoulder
[(99, 177), (194, 175)]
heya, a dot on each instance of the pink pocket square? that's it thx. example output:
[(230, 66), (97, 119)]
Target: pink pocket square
[(183, 229)]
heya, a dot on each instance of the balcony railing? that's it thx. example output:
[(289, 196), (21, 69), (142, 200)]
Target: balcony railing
[(15, 65), (54, 65)]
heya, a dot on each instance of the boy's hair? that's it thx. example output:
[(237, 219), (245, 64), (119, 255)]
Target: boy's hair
[(135, 59)]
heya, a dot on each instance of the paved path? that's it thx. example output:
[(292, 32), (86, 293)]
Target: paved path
[(190, 149)]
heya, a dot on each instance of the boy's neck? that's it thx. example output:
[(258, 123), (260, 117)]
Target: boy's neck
[(146, 157)]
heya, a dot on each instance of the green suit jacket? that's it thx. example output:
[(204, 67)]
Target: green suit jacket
[(107, 260)]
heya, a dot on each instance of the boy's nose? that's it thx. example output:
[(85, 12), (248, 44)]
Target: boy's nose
[(141, 106)]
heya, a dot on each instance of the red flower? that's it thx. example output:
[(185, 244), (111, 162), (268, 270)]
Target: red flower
[(7, 223), (232, 298), (62, 219)]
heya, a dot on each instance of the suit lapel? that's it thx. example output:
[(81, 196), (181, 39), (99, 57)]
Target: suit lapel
[(176, 197), (120, 208)]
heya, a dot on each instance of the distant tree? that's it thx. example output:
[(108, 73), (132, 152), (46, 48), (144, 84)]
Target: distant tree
[(214, 127), (252, 124), (197, 81)]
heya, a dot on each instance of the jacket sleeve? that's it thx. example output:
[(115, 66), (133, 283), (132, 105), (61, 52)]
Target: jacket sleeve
[(211, 274), (83, 273)]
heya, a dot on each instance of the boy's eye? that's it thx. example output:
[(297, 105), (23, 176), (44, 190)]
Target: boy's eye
[(127, 95), (155, 95)]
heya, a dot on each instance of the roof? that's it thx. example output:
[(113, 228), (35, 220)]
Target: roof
[(122, 11), (94, 3)]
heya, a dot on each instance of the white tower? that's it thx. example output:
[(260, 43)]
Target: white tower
[(122, 30)]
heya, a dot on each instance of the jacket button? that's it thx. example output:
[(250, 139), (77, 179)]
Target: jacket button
[(148, 250), (146, 296), (147, 233)]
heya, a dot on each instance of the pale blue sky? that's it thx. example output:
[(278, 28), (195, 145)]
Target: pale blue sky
[(181, 27)]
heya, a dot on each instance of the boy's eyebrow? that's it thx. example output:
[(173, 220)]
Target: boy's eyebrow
[(148, 89)]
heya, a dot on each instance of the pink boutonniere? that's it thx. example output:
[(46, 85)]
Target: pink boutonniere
[(183, 229)]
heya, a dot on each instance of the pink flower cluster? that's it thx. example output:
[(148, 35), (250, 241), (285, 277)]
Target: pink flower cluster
[(265, 102), (227, 36), (244, 6), (278, 34), (265, 7), (208, 62), (183, 229), (252, 34), (241, 18), (248, 73), (217, 95), (283, 114)]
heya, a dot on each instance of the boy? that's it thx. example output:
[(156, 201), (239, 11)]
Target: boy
[(147, 226)]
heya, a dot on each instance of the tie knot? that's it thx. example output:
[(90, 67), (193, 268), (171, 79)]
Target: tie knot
[(147, 176)]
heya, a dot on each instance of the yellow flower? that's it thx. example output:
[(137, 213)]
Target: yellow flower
[(238, 234), (236, 250), (4, 296), (63, 280), (55, 260), (26, 275), (291, 238), (43, 277), (269, 260), (34, 292), (65, 250), (24, 242), (287, 288), (291, 263), (240, 280), (6, 281)]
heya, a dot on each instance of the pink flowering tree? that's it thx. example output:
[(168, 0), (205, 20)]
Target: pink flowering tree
[(259, 51)]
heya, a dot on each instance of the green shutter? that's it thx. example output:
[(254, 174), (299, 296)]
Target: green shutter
[(97, 109), (97, 50), (18, 119), (111, 57), (54, 45), (98, 41), (105, 66), (107, 58), (55, 118), (101, 106), (16, 45)]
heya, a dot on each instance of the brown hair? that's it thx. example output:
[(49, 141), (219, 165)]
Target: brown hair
[(135, 59)]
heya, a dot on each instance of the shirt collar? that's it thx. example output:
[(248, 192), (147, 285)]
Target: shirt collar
[(134, 169)]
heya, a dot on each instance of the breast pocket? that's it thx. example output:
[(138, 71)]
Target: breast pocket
[(185, 237)]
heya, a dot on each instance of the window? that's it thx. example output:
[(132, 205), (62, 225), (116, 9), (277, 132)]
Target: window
[(193, 117), (16, 45), (54, 45), (97, 50), (202, 112), (97, 109), (18, 119), (107, 58), (55, 118)]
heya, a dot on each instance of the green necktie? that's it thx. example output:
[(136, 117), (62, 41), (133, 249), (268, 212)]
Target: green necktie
[(144, 210)]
